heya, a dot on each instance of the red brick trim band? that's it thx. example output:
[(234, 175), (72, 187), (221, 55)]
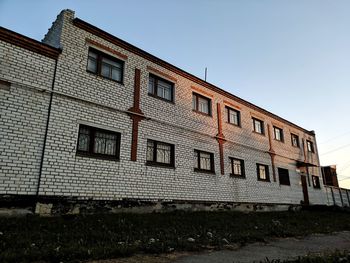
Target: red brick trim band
[(131, 48), (221, 140), (136, 118), (156, 71), (111, 50), (28, 43), (231, 104), (203, 92)]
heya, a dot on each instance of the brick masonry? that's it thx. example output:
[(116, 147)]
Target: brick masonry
[(80, 97)]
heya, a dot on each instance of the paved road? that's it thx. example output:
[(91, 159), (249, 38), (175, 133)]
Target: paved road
[(286, 248)]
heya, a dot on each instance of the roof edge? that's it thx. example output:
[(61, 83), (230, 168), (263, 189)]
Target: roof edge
[(119, 42), (22, 41)]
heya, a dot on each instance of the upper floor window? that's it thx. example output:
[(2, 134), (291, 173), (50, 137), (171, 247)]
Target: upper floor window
[(203, 161), (283, 175), (237, 166), (310, 146), (160, 88), (160, 153), (263, 172), (258, 126), (98, 142), (316, 182), (295, 140), (105, 65), (201, 104), (233, 116), (278, 132)]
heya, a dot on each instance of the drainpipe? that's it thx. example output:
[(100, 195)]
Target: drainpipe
[(46, 129)]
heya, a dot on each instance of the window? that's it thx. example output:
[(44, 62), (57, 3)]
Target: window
[(283, 175), (97, 142), (160, 88), (316, 182), (233, 116), (201, 104), (258, 126), (295, 140), (160, 153), (310, 146), (278, 132), (203, 161), (104, 65), (237, 166), (263, 172)]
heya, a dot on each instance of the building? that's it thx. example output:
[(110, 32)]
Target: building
[(329, 174), (88, 116)]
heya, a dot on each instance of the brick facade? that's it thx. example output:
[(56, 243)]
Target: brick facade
[(80, 97)]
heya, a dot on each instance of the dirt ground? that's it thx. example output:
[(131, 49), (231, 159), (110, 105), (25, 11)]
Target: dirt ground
[(283, 249)]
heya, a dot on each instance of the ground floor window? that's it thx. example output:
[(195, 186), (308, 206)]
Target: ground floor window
[(237, 166), (160, 153), (203, 161), (98, 142), (263, 172), (283, 175), (316, 182)]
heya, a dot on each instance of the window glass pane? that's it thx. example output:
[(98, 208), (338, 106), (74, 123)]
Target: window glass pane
[(237, 168), (151, 85), (105, 143), (205, 161), (196, 159), (203, 105), (116, 74), (92, 64), (150, 149), (111, 62), (277, 134), (105, 70), (257, 126), (262, 172), (84, 139), (194, 102), (233, 117), (111, 144), (163, 153)]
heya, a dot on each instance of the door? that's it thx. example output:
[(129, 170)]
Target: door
[(305, 193)]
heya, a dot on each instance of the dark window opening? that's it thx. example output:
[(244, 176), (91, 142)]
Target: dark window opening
[(160, 153), (203, 161), (98, 142), (105, 65), (160, 88), (283, 175)]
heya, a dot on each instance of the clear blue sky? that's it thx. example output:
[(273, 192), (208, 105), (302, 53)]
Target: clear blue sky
[(289, 57)]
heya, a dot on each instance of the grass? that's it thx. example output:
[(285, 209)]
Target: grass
[(82, 237)]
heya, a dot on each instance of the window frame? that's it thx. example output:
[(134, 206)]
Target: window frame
[(154, 159), (228, 109), (262, 126), (297, 138), (90, 152), (316, 185), (275, 128), (311, 149), (232, 159), (155, 88), (282, 182), (197, 95), (212, 170), (266, 171), (100, 56)]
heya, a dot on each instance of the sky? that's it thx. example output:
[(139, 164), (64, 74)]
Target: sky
[(290, 57)]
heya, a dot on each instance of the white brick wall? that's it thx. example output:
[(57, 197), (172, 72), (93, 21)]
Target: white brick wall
[(23, 117), (66, 174)]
